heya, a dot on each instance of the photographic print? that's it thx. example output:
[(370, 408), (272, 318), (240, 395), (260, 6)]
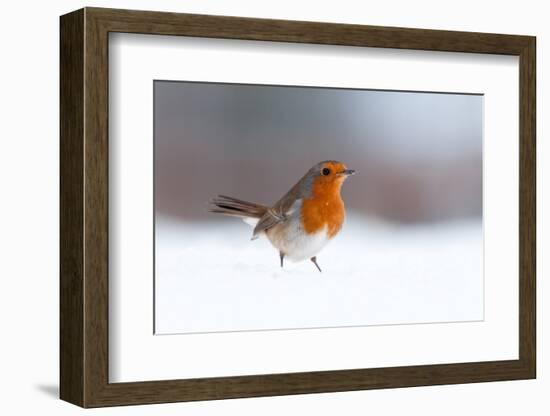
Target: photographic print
[(291, 207)]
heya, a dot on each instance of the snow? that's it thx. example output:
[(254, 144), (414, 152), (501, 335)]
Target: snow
[(211, 277)]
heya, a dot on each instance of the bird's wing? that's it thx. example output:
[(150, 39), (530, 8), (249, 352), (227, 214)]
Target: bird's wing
[(271, 218), (281, 211)]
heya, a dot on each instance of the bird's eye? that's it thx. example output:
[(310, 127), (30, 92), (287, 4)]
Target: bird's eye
[(325, 171)]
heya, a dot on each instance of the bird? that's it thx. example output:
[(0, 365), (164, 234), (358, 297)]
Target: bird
[(304, 220)]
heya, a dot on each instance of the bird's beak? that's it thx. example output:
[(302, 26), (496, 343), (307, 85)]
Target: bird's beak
[(348, 172)]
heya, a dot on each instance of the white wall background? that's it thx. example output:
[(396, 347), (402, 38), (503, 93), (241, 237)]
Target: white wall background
[(29, 209)]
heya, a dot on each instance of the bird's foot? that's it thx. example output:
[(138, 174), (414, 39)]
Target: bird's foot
[(314, 260)]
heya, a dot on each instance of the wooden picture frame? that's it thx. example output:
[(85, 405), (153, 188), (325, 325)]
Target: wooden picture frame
[(84, 207)]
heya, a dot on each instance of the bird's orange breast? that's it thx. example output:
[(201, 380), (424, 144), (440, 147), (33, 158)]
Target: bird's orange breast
[(324, 208)]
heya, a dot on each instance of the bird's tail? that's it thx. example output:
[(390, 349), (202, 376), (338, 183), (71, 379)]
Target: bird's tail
[(236, 207)]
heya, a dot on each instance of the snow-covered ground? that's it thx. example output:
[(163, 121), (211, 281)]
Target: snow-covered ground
[(210, 277)]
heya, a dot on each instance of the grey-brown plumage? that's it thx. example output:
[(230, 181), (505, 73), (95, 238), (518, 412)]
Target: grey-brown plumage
[(237, 207), (267, 217)]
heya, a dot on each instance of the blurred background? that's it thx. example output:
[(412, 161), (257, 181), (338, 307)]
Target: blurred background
[(419, 155)]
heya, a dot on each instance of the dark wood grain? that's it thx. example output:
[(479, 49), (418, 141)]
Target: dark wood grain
[(84, 207), (527, 208), (71, 100), (162, 23), (96, 223)]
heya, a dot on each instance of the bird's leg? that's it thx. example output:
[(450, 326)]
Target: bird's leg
[(282, 256), (314, 260)]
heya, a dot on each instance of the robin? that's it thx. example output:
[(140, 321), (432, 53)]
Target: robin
[(304, 220)]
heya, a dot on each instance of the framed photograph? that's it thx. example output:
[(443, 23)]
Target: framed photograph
[(256, 207)]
